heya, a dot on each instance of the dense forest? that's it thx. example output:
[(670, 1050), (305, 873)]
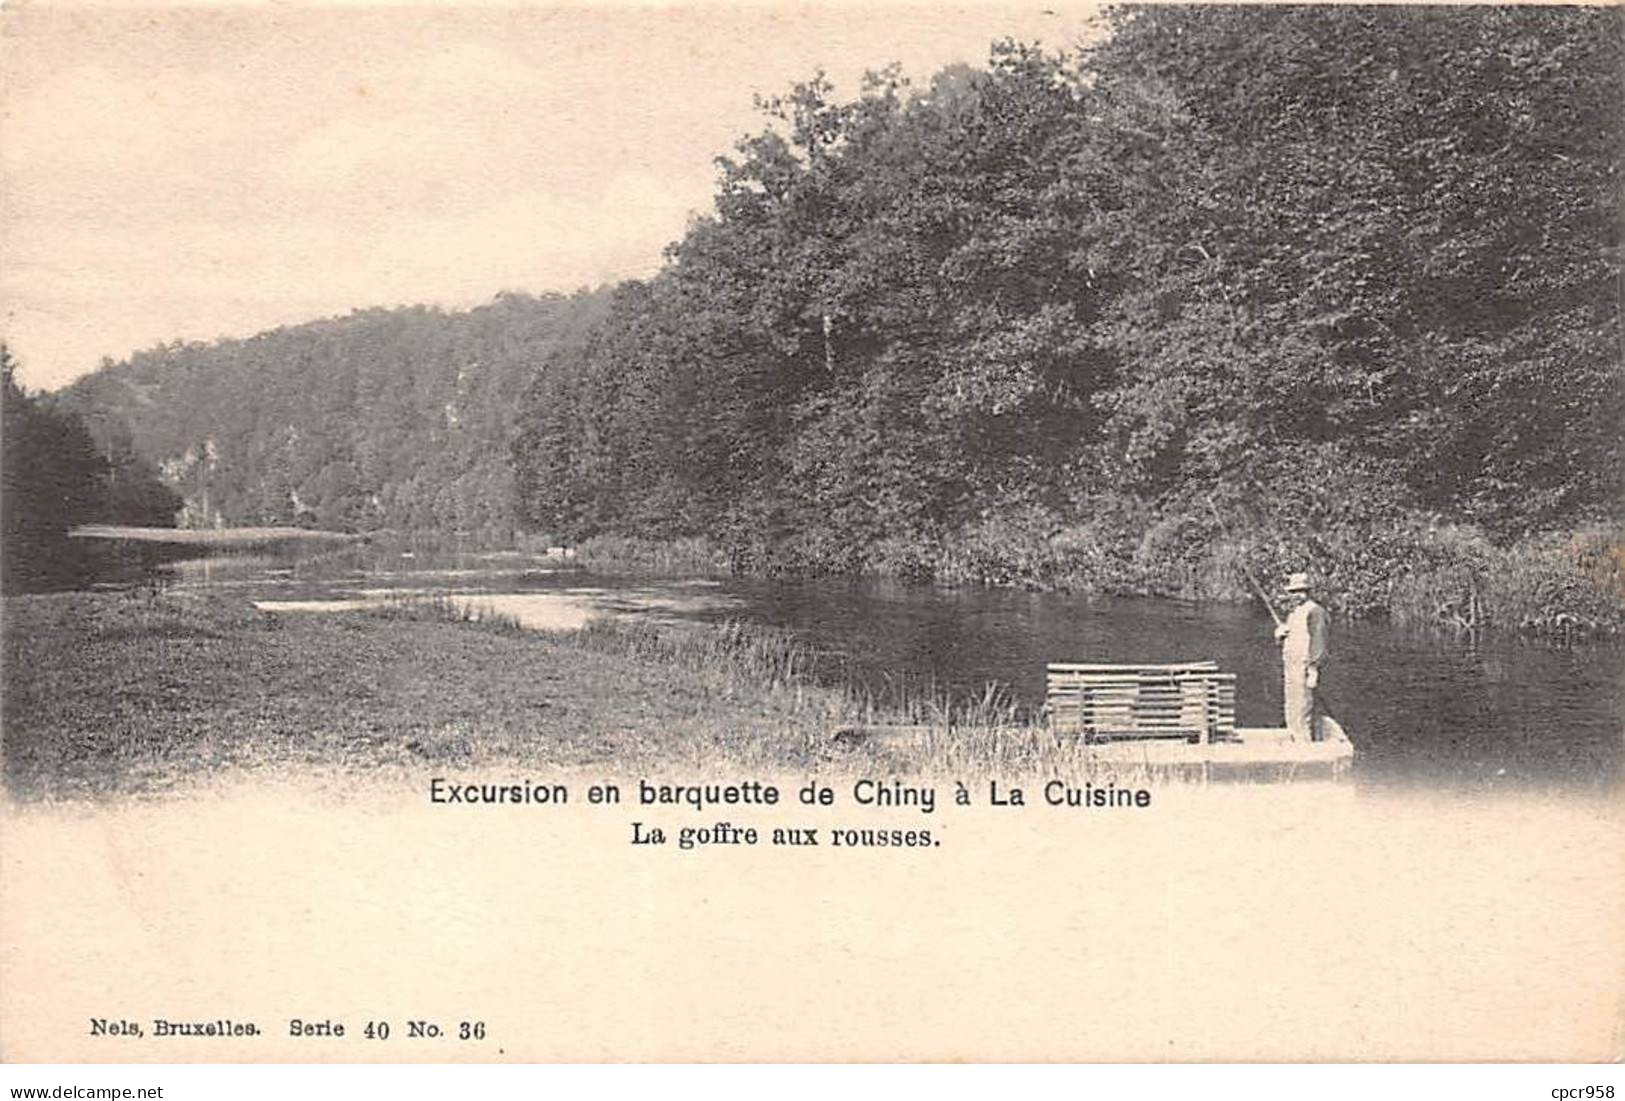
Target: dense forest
[(394, 419), (1292, 287), (1328, 286)]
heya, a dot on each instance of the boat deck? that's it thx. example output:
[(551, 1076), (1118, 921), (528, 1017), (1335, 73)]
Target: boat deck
[(1268, 752), (1252, 753)]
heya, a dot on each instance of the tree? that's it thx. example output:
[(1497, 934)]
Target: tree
[(1395, 229), (55, 478)]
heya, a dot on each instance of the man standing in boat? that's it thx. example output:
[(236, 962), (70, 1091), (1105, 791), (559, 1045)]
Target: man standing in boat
[(1303, 647)]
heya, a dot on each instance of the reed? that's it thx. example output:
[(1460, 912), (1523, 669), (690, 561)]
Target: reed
[(766, 656), (441, 608), (949, 736), (1564, 587), (689, 556)]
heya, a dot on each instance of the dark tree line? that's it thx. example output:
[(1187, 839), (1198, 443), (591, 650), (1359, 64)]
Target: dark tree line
[(1347, 273), (56, 476)]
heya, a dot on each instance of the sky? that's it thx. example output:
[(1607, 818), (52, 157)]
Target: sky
[(190, 173)]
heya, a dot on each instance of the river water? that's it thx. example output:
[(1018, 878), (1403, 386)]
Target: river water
[(1440, 710)]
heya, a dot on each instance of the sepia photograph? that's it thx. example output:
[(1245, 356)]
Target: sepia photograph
[(821, 532)]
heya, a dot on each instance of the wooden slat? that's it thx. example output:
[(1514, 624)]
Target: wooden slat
[(1086, 667), (1129, 674), (1148, 691), (1108, 702), (1125, 685), (1198, 677), (1206, 678), (1171, 707)]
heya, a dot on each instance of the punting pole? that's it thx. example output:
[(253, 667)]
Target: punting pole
[(1246, 569)]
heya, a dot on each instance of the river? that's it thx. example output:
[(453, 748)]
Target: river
[(1427, 708)]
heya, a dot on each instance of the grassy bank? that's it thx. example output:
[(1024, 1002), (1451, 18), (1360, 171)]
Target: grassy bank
[(1413, 570), (691, 557), (108, 692), (111, 693)]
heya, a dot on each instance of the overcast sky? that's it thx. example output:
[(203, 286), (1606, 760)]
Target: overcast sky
[(193, 174)]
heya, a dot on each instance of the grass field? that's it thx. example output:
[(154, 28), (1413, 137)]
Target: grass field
[(112, 693), (119, 693)]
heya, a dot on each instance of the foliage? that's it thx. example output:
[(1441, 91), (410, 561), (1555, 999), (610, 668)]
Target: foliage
[(1395, 229), (1565, 586), (691, 557), (382, 419), (1336, 272), (56, 477)]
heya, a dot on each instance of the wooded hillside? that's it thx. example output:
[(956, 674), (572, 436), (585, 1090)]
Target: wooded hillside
[(1351, 274), (383, 419), (1330, 287)]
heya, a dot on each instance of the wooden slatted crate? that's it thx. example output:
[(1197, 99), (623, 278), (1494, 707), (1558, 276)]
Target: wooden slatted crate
[(1191, 701)]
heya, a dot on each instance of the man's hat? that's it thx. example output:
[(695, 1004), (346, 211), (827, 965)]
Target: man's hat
[(1298, 583)]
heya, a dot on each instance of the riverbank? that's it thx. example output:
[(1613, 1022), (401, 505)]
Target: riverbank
[(142, 692), (113, 693), (1414, 572)]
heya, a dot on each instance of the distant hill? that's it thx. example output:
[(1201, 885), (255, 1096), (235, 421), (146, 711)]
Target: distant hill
[(383, 419)]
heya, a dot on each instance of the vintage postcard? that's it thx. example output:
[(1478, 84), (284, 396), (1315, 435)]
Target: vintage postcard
[(811, 532)]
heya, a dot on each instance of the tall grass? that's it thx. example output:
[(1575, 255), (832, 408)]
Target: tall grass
[(769, 657), (908, 727), (689, 556), (1565, 586), (414, 607)]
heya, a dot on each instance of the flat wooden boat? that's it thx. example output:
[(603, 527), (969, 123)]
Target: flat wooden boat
[(1257, 752)]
